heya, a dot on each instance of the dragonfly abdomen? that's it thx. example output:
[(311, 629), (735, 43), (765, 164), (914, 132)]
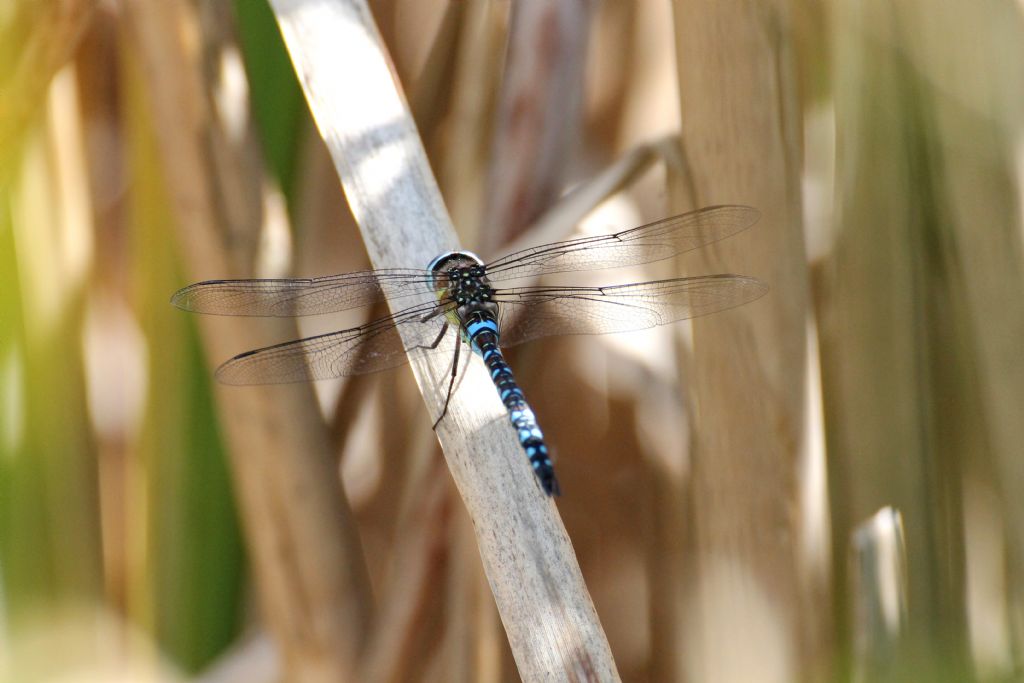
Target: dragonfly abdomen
[(483, 335)]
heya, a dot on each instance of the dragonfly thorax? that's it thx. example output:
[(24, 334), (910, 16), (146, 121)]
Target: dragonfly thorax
[(471, 292), (460, 278), (468, 285)]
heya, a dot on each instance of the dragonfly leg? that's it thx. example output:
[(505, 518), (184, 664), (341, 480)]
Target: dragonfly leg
[(455, 363), (438, 310), (433, 344), (451, 384)]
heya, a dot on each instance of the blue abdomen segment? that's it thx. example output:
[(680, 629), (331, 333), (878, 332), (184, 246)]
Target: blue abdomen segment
[(483, 336)]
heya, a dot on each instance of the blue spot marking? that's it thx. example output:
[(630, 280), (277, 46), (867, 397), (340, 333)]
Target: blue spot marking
[(476, 327), (536, 465), (531, 451)]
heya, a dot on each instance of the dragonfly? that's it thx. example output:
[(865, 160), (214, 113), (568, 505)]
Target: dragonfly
[(485, 318)]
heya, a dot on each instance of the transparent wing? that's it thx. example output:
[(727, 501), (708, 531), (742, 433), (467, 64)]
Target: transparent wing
[(311, 296), (647, 243), (368, 348), (529, 313), (301, 296)]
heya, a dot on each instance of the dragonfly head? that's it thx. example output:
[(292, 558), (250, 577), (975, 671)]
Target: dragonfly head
[(452, 259)]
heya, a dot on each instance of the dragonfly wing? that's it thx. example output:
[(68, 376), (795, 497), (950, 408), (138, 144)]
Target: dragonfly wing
[(529, 313), (647, 243), (300, 296), (368, 348)]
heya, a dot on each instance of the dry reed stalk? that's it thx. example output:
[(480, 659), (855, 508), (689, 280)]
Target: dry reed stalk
[(548, 616), (411, 580), (305, 549), (875, 393), (614, 71), (878, 585), (879, 397), (52, 524), (432, 92), (465, 141), (918, 301), (460, 641), (473, 650), (558, 221), (741, 138), (667, 543), (977, 121), (44, 42), (326, 243), (539, 114)]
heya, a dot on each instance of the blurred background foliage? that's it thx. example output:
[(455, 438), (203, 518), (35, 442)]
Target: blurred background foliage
[(122, 555)]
